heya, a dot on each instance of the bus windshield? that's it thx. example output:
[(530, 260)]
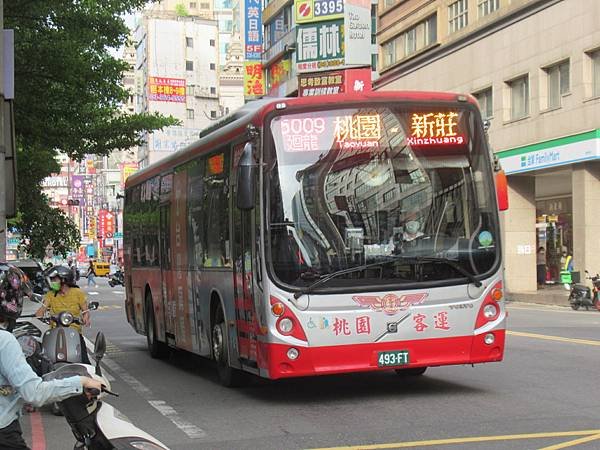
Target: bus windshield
[(408, 186)]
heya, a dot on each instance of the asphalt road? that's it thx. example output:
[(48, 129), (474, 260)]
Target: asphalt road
[(544, 395)]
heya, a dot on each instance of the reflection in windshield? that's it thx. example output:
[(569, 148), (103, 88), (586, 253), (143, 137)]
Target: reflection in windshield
[(349, 187)]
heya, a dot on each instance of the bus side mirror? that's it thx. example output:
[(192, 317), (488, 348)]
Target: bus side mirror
[(246, 179), (502, 190)]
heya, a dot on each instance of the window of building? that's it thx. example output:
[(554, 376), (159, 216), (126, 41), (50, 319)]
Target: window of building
[(213, 114), (212, 42), (388, 3), (212, 66), (410, 41), (389, 52), (519, 97), (595, 59), (192, 5), (558, 79), (486, 104), (213, 90), (189, 42), (486, 7), (374, 62), (190, 113), (204, 5), (458, 15), (189, 65), (374, 24)]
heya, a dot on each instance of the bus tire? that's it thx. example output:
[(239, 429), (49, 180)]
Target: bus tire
[(413, 372), (156, 348), (228, 376)]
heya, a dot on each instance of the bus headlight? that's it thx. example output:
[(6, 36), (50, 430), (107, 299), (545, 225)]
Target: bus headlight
[(490, 311), (286, 325)]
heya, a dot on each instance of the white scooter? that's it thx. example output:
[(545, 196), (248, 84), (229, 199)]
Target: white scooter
[(97, 425)]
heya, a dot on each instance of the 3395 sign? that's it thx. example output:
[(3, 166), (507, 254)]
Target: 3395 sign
[(328, 7), (308, 11)]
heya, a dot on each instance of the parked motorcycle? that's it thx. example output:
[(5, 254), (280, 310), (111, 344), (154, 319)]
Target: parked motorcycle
[(95, 424), (117, 279), (582, 296)]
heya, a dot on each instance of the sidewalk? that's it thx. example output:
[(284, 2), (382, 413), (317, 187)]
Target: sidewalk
[(549, 295)]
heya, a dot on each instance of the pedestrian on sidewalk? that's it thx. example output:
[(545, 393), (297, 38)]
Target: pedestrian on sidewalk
[(91, 274), (18, 381), (541, 267)]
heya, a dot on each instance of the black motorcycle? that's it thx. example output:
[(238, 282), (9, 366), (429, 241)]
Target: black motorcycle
[(117, 279), (582, 296)]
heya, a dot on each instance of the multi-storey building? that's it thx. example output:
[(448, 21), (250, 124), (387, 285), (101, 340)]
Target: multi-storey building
[(534, 66), (178, 64)]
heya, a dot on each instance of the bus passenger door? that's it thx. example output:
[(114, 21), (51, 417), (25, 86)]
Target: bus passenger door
[(244, 279)]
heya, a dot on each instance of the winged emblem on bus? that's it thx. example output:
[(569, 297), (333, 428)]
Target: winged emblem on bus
[(390, 303)]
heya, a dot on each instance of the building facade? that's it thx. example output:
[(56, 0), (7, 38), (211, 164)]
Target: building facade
[(177, 60), (280, 42), (534, 66)]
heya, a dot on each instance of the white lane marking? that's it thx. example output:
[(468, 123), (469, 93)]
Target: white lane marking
[(93, 293), (191, 430), (118, 292)]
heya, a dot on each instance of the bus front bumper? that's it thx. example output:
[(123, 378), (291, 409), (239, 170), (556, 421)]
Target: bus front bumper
[(312, 361)]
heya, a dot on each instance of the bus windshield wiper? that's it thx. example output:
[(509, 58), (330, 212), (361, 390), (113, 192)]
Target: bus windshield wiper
[(448, 262), (414, 259), (337, 273)]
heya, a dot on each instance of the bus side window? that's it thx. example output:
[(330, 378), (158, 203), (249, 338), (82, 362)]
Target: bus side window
[(216, 207)]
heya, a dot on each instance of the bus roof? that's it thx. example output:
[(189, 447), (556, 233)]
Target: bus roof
[(234, 124)]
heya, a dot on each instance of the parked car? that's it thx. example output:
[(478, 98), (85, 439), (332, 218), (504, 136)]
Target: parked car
[(35, 273)]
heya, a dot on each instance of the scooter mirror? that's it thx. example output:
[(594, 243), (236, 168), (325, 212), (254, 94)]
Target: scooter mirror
[(94, 306), (99, 346)]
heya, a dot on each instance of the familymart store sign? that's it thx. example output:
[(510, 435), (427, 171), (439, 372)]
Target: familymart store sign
[(557, 152)]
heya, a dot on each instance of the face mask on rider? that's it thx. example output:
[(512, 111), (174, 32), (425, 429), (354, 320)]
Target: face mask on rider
[(55, 286)]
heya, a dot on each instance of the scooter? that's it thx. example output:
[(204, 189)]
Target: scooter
[(95, 424), (582, 296), (117, 279), (62, 344)]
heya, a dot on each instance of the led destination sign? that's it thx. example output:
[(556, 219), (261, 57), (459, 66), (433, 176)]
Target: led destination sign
[(435, 129), (318, 133)]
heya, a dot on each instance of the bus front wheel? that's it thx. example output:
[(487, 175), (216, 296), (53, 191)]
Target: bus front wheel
[(156, 348), (228, 376), (414, 372)]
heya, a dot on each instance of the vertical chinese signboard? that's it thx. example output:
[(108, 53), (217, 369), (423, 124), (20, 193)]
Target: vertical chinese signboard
[(254, 81)]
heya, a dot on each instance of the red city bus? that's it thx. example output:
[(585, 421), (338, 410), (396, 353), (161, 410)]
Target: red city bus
[(309, 236)]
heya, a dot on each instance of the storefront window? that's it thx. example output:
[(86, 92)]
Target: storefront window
[(555, 233)]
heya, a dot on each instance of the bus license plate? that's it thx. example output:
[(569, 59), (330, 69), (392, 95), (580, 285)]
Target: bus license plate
[(392, 358)]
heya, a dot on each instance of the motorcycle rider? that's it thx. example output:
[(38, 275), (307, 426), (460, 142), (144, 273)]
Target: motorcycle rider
[(65, 295), (18, 382)]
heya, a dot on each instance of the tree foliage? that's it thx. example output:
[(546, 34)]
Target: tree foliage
[(68, 94)]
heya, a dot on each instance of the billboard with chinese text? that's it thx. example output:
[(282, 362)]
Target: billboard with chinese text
[(161, 89)]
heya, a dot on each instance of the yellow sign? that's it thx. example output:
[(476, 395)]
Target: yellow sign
[(434, 125), (254, 81), (92, 228)]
